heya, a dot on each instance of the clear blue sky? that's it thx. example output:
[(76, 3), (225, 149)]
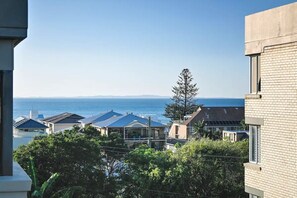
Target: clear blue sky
[(134, 47)]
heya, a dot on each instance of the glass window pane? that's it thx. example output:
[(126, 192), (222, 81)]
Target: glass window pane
[(259, 73), (258, 144), (255, 74), (254, 144), (253, 139)]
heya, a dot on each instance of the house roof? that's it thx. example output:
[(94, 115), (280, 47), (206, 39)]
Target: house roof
[(64, 118), (128, 120), (19, 119), (26, 123), (100, 117), (217, 116)]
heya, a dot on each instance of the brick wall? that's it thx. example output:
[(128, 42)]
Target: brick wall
[(278, 108), (182, 131)]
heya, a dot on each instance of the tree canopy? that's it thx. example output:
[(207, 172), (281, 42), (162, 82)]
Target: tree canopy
[(103, 166), (203, 168), (81, 158), (183, 97)]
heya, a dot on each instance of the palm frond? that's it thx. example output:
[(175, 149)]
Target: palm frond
[(49, 183), (33, 174)]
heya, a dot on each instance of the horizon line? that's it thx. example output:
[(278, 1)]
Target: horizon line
[(116, 97)]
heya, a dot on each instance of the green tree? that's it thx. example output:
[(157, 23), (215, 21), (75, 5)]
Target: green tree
[(79, 159), (144, 173), (217, 135), (199, 131), (214, 168), (203, 168), (45, 190), (183, 97), (40, 191), (243, 125)]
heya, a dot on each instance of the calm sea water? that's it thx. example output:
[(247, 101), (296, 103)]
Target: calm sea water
[(92, 106)]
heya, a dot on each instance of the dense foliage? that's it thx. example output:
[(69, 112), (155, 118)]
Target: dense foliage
[(103, 167), (203, 168), (80, 160), (183, 97), (199, 132)]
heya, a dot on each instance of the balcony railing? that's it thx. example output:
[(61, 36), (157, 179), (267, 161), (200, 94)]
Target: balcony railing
[(144, 138)]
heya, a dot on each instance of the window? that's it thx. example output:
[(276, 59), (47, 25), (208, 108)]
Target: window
[(255, 74), (176, 131), (253, 196), (254, 144)]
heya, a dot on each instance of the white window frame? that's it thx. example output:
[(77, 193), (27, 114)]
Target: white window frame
[(255, 141)]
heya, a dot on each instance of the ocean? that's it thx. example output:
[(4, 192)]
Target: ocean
[(153, 107)]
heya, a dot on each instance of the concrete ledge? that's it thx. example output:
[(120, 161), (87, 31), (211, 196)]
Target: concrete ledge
[(17, 185), (13, 195), (258, 47), (20, 33), (254, 191), (253, 96), (252, 166), (254, 121)]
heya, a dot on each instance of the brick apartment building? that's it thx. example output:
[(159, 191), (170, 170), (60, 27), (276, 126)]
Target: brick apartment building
[(271, 106)]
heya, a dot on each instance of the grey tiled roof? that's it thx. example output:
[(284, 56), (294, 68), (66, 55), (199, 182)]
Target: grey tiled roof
[(64, 118), (217, 116)]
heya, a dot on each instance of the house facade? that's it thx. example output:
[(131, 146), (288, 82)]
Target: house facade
[(61, 122), (28, 127), (271, 105), (25, 129), (134, 129), (214, 118)]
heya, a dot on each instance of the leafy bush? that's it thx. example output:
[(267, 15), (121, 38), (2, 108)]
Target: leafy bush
[(79, 159), (104, 167), (203, 168)]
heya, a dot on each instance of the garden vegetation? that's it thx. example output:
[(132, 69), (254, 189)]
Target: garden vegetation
[(101, 166)]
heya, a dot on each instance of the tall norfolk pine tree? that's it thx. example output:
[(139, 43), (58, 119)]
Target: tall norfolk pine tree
[(183, 97)]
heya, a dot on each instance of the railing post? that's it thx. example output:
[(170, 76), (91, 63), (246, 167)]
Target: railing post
[(6, 122)]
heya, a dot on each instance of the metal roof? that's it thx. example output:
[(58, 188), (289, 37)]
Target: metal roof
[(126, 121), (64, 118), (20, 118), (217, 116), (26, 123), (100, 117), (107, 122)]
